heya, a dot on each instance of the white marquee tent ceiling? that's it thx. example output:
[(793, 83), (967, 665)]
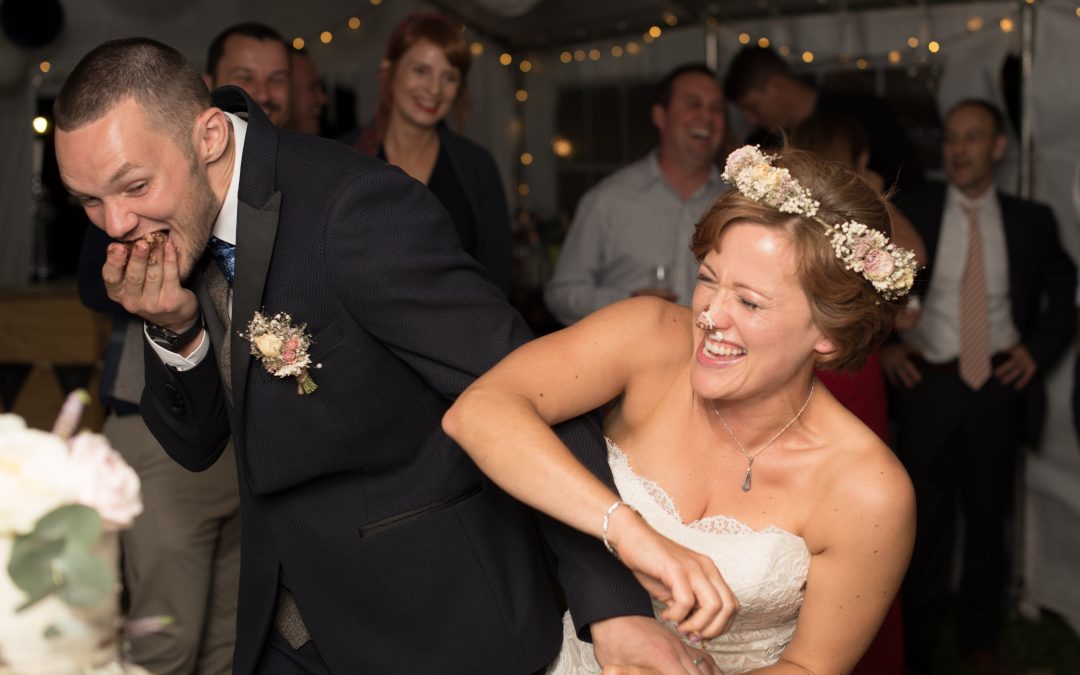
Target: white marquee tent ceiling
[(540, 24)]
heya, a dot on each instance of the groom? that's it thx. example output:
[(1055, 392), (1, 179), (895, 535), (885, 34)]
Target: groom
[(370, 542)]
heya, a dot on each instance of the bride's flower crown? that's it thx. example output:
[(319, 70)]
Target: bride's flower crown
[(889, 268)]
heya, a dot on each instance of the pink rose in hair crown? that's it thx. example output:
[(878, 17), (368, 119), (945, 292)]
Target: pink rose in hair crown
[(878, 264), (861, 247), (105, 482)]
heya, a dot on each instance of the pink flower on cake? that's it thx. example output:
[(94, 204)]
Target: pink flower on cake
[(106, 483)]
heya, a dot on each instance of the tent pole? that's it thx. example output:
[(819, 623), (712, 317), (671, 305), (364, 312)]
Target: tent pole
[(712, 47), (1027, 49)]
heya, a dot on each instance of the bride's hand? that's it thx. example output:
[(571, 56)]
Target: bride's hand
[(697, 598), (640, 645)]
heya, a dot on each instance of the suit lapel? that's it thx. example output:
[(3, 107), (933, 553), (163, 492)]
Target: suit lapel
[(256, 229), (1013, 227)]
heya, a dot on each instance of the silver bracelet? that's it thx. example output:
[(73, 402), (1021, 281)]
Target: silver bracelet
[(604, 527)]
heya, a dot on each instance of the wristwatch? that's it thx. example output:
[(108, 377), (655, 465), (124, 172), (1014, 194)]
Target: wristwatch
[(171, 340)]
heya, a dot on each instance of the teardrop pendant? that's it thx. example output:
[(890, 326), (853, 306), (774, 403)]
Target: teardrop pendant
[(746, 478)]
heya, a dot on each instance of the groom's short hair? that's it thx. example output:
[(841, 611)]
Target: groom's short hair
[(160, 79)]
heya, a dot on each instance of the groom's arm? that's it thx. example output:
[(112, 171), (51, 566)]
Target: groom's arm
[(597, 586), (414, 289)]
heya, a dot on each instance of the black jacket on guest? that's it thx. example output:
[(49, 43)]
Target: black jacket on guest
[(1042, 278), (475, 169)]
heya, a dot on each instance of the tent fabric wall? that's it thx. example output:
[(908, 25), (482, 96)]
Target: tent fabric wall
[(1053, 472)]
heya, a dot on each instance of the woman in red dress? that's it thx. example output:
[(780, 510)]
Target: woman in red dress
[(842, 139)]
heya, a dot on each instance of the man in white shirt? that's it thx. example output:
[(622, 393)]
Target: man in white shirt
[(631, 233), (997, 311)]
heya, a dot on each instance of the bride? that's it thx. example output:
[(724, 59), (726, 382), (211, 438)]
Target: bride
[(721, 439)]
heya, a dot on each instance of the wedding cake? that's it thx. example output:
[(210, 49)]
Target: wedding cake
[(63, 498)]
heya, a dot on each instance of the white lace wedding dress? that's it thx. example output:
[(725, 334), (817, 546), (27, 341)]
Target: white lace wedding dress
[(766, 569)]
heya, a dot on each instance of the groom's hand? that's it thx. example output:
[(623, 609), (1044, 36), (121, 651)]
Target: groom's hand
[(696, 597), (149, 286), (640, 645)]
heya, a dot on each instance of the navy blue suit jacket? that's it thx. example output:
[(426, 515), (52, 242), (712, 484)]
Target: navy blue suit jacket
[(401, 555)]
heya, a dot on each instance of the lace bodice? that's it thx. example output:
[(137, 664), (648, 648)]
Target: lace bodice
[(766, 569)]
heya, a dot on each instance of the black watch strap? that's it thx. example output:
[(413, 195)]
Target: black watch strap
[(171, 340)]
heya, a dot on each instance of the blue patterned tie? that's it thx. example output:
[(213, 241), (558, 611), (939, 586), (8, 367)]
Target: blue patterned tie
[(225, 254)]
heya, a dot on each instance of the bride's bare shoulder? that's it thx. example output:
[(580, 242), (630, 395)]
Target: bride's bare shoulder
[(865, 482)]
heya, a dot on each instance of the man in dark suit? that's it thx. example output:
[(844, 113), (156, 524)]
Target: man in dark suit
[(370, 543), (997, 311)]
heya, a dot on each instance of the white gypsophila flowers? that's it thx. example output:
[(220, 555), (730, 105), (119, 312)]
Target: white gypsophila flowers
[(889, 268), (751, 171)]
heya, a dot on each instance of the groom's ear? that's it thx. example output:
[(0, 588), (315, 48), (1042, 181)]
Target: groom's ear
[(211, 136)]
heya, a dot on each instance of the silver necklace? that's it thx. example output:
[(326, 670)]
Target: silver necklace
[(750, 457)]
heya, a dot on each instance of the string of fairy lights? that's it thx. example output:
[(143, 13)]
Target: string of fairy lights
[(907, 50)]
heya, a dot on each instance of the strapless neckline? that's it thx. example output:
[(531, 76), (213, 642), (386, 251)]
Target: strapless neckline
[(766, 569), (713, 523)]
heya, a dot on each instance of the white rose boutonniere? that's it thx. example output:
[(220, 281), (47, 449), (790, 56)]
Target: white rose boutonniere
[(282, 347)]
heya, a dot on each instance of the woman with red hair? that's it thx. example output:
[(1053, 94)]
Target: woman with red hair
[(421, 82)]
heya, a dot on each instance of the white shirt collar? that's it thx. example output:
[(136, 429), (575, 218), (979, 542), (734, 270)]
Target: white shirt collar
[(225, 225), (655, 173), (981, 202)]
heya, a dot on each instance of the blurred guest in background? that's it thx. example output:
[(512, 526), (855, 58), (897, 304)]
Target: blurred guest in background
[(762, 85), (421, 81), (181, 558), (631, 233), (307, 93), (841, 138), (1076, 366), (256, 58), (998, 310)]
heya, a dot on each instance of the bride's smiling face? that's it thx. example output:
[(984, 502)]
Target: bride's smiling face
[(762, 334)]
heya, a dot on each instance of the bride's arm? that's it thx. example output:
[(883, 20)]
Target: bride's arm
[(864, 528), (503, 421)]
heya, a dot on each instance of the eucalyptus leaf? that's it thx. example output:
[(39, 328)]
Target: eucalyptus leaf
[(87, 580), (37, 596), (30, 567), (77, 524)]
